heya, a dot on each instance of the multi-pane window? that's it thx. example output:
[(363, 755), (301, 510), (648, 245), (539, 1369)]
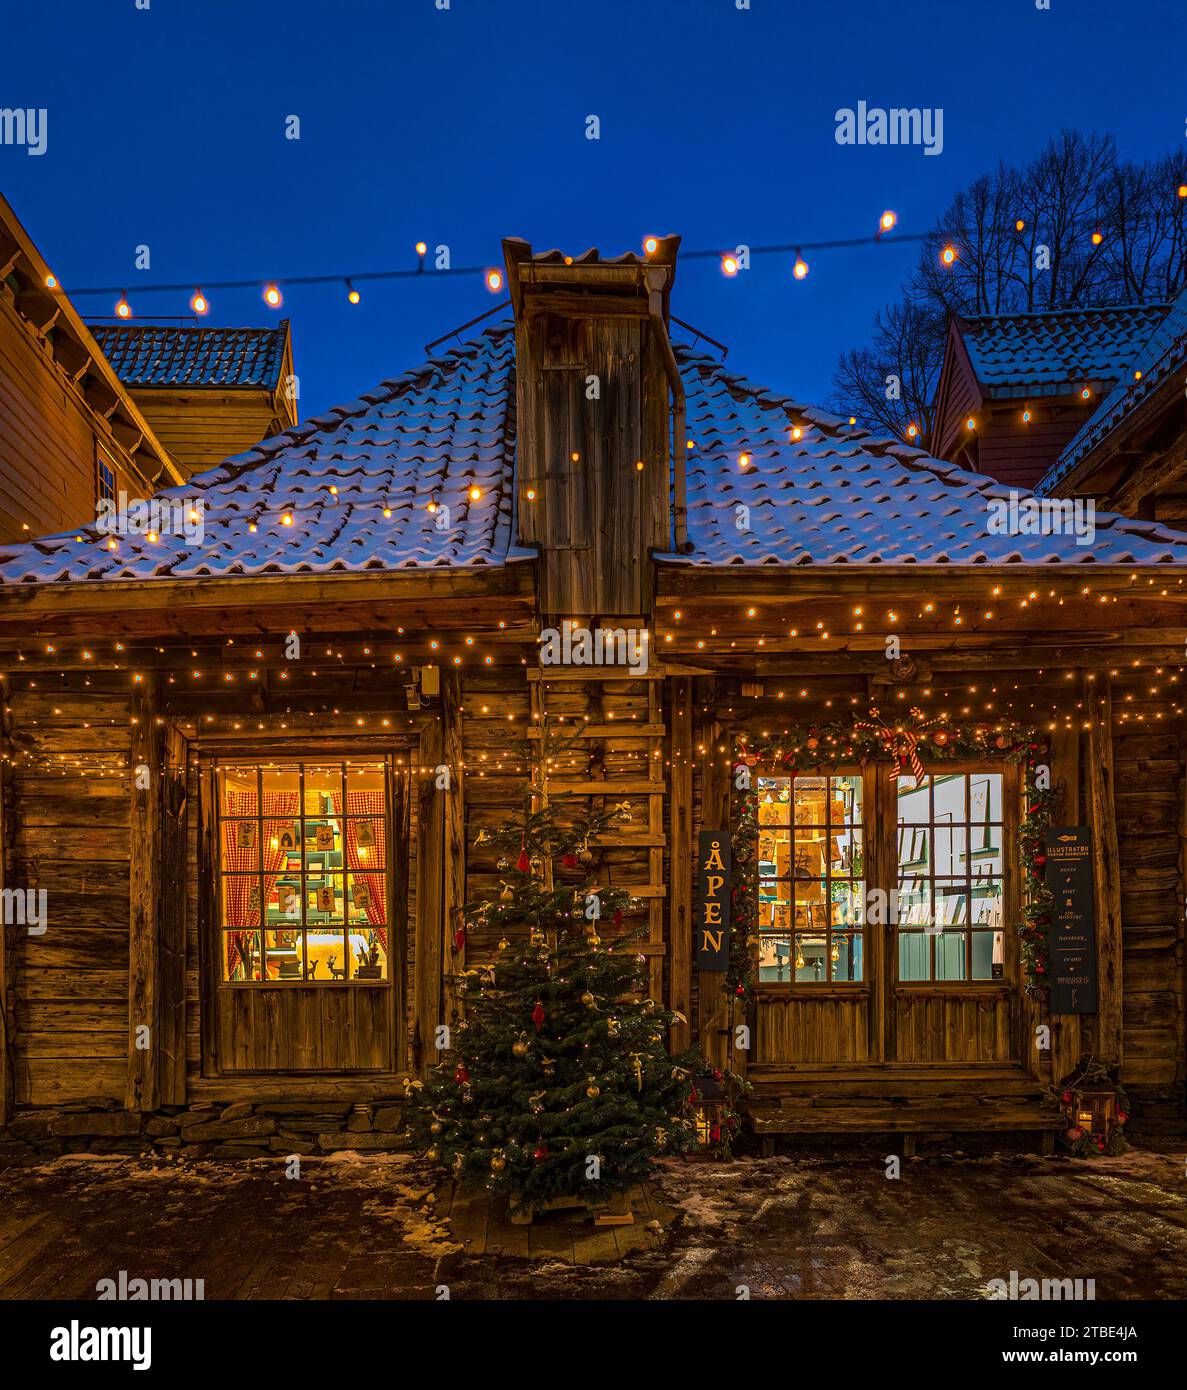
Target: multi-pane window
[(950, 835), (811, 879), (104, 480), (304, 872)]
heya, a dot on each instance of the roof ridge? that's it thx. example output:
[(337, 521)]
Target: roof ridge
[(1140, 305)]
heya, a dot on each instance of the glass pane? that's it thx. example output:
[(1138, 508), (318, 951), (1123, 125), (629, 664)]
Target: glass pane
[(846, 799), (238, 792), (368, 955), (366, 844), (242, 959), (811, 958), (985, 797), (949, 796), (951, 905), (241, 900), (811, 800), (323, 791), (326, 953), (914, 802), (988, 955), (324, 899), (950, 844), (950, 955), (846, 852), (987, 903), (914, 848), (367, 898), (847, 957), (283, 954), (914, 956), (914, 902)]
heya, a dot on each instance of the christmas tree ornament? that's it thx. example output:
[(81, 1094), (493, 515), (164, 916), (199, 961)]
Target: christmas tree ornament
[(589, 1000), (460, 1074), (503, 943), (569, 860), (538, 1015), (613, 1028), (508, 894), (593, 1090), (521, 1047), (523, 863), (433, 1154), (497, 1162), (540, 1152), (436, 1127)]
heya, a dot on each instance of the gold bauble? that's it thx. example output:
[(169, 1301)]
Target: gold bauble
[(497, 1163), (436, 1127), (521, 1047), (647, 1006), (612, 1028), (433, 1154), (588, 1000), (593, 1090), (503, 944)]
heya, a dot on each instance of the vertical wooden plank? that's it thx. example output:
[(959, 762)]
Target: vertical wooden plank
[(430, 897), (655, 854), (6, 1040), (399, 831), (1066, 1041), (680, 823), (1098, 702), (716, 1013), (454, 819), (171, 1023), (144, 870)]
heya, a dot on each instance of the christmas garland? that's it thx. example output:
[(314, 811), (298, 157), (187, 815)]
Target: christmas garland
[(908, 744)]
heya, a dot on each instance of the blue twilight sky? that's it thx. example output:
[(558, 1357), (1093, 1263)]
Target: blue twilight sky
[(461, 126)]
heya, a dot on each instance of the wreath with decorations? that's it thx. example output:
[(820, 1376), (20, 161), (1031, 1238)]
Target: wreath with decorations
[(909, 745)]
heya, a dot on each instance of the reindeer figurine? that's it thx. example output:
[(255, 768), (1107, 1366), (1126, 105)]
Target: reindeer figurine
[(332, 966)]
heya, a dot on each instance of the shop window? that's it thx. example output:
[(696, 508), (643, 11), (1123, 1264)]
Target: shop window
[(811, 879), (950, 873), (304, 872)]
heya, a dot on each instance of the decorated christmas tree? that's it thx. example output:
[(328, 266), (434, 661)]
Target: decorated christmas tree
[(557, 1082)]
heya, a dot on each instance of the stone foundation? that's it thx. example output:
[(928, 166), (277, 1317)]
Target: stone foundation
[(261, 1129)]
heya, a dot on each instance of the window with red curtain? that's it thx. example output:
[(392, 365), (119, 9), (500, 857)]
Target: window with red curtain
[(304, 872)]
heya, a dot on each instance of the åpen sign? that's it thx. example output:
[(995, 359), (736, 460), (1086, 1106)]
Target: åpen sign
[(1072, 937), (712, 926)]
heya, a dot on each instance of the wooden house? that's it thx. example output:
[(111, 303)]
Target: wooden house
[(1072, 403), (208, 393), (71, 434), (251, 769)]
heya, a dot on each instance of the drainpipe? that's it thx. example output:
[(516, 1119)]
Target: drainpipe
[(679, 410)]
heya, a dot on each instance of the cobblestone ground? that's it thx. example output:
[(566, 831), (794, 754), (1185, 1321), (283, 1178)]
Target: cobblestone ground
[(824, 1226)]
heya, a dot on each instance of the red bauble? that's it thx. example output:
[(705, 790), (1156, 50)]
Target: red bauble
[(540, 1152), (569, 860), (1066, 1098), (523, 863), (1121, 1117), (459, 938), (740, 991), (460, 1074), (1040, 861), (618, 916), (538, 1015), (1074, 1135)]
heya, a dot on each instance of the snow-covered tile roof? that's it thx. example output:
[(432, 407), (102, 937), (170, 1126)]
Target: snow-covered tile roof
[(149, 355), (1161, 354), (1055, 351), (843, 496), (429, 436)]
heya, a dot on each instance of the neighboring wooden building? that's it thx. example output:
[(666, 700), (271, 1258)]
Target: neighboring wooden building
[(251, 769), (209, 393), (70, 433)]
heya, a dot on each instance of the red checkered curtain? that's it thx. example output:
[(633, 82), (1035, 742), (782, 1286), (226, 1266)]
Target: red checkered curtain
[(244, 860), (366, 803)]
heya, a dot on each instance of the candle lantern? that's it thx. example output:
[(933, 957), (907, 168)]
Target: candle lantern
[(709, 1101), (1095, 1108)]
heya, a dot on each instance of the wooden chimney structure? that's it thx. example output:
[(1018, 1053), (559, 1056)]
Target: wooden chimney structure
[(595, 379)]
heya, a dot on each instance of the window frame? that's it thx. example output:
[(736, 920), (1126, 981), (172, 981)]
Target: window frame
[(880, 871), (214, 873), (105, 463)]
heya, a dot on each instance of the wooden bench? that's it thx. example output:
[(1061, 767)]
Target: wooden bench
[(907, 1119)]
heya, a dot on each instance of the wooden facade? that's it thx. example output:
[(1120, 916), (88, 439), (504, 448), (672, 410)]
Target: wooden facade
[(112, 803), (65, 413)]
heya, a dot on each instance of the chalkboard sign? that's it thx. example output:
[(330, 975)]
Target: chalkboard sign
[(1072, 938), (712, 925)]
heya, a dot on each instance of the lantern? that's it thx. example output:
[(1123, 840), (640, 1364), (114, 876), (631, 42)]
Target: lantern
[(1095, 1109), (708, 1111)]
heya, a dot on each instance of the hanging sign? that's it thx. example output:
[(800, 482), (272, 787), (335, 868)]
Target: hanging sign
[(1072, 937), (712, 921)]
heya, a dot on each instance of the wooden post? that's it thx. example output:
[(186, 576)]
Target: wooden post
[(1066, 1041), (5, 1036), (430, 897), (174, 896), (680, 819), (144, 873), (1098, 702), (715, 1013), (454, 819)]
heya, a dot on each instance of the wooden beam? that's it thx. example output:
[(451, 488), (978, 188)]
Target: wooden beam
[(1102, 816), (1066, 1040), (430, 895), (144, 873), (455, 837), (715, 1013), (681, 862)]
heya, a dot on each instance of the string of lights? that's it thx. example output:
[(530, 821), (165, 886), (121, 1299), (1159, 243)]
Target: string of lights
[(730, 262)]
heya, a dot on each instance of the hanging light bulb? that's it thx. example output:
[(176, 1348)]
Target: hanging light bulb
[(421, 249), (887, 221), (1020, 225), (199, 303), (123, 309), (494, 281), (272, 297), (729, 265), (912, 431), (1097, 237), (800, 962), (800, 268), (51, 280), (949, 255), (352, 294), (651, 245)]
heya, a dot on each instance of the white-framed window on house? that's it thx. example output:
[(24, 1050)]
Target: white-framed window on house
[(811, 879), (304, 872), (950, 877)]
